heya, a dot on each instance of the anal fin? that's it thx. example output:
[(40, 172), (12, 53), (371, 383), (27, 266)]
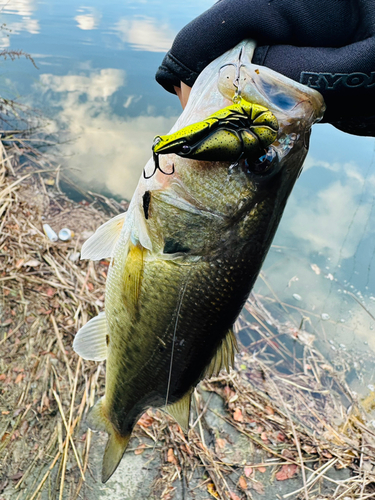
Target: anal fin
[(180, 411), (224, 356)]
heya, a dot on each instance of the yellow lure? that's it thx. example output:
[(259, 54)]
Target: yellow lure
[(241, 130)]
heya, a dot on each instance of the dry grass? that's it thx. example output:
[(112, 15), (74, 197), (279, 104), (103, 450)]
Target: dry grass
[(286, 400)]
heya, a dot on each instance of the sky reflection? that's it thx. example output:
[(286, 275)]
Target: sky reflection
[(88, 19), (145, 33), (108, 151), (96, 85), (24, 9)]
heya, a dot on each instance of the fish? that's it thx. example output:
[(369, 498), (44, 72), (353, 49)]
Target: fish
[(185, 255)]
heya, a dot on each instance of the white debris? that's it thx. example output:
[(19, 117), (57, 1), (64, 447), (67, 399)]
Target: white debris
[(316, 269)]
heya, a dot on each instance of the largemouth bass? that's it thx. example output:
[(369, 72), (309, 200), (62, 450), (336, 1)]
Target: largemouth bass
[(186, 254)]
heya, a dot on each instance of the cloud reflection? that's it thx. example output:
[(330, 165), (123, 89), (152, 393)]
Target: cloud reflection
[(101, 84), (110, 151), (24, 9), (145, 33), (89, 19), (338, 214)]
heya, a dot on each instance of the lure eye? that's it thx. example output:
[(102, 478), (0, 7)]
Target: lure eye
[(185, 149), (263, 164), (156, 141)]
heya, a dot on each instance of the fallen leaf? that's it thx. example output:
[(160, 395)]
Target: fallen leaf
[(171, 457), (237, 415), (269, 410), (16, 476), (242, 483), (4, 437), (19, 377), (5, 412), (288, 454), (51, 292), (221, 443), (3, 376), (19, 263), (248, 471), (212, 490), (186, 448), (262, 469), (145, 420), (3, 485), (309, 449), (140, 449), (258, 487), (233, 496), (264, 437), (228, 393), (280, 437), (287, 471)]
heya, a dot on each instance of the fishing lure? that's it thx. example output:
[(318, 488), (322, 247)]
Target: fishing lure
[(242, 130)]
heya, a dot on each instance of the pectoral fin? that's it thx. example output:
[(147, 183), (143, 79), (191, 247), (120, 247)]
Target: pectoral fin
[(91, 340), (180, 411), (224, 357), (101, 244), (116, 444)]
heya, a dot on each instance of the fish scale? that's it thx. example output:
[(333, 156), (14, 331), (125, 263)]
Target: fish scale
[(187, 252)]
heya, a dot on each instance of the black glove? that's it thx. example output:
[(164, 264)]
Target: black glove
[(328, 45)]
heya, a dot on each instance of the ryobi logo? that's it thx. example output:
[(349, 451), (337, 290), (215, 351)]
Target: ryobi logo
[(331, 81)]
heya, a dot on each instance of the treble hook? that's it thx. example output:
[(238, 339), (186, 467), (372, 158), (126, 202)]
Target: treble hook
[(236, 81), (157, 167)]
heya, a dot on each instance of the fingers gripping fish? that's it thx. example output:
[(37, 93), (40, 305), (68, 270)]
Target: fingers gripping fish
[(185, 255)]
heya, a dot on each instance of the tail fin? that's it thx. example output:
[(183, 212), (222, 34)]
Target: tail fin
[(116, 444)]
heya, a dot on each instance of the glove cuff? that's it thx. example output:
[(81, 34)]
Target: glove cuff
[(172, 72)]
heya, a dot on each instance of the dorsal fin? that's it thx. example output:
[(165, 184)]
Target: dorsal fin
[(101, 244), (90, 341), (224, 356), (180, 411)]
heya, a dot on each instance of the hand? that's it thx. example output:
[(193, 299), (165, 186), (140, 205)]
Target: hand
[(328, 45), (183, 92)]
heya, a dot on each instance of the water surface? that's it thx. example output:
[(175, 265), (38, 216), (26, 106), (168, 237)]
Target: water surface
[(95, 83)]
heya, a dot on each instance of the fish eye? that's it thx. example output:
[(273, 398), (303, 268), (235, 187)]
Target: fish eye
[(264, 163)]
